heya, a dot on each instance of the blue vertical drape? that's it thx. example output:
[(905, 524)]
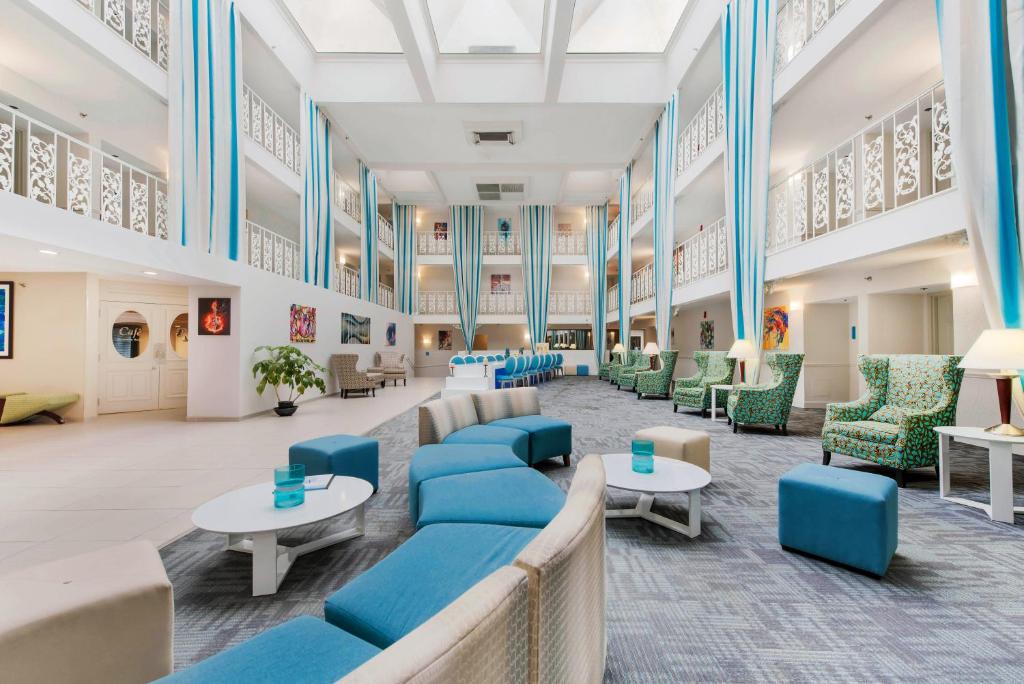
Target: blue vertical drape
[(466, 232), (404, 216), (536, 240), (317, 224), (625, 253), (597, 265), (664, 218), (206, 190), (368, 257), (748, 63)]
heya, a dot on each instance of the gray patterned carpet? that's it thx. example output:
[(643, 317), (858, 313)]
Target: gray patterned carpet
[(729, 606)]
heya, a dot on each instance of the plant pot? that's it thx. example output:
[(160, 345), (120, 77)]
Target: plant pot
[(285, 408)]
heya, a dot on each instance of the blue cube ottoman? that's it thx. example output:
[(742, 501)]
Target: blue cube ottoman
[(440, 460), (840, 515), (582, 369), (340, 455), (548, 437)]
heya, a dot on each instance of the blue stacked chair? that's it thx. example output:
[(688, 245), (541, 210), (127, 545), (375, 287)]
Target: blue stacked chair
[(457, 361), (559, 360), (534, 369), (509, 376)]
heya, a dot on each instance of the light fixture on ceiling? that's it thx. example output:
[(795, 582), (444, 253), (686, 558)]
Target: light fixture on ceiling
[(48, 252), (83, 115), (150, 273), (13, 106), (869, 117)]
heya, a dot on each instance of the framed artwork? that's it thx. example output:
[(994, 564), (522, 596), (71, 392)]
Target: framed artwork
[(355, 329), (444, 340), (564, 227), (6, 319), (214, 316), (504, 228), (501, 283), (776, 328), (303, 324), (636, 340), (707, 334), (391, 335), (440, 230)]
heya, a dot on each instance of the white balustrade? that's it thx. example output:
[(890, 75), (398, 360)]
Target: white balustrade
[(613, 233), (265, 127), (348, 199), (498, 303), (568, 302), (641, 203), (642, 284), (499, 243), (798, 21), (144, 24), (571, 243), (346, 281), (385, 296), (703, 129), (43, 164), (385, 232), (701, 256), (436, 302), (897, 160), (613, 298), (430, 243), (272, 251)]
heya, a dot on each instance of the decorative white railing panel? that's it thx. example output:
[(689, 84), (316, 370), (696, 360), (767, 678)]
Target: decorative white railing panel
[(272, 251), (613, 233), (898, 160), (385, 295), (501, 243), (498, 303), (798, 22), (613, 298), (701, 256), (642, 286), (703, 129), (142, 23), (346, 281), (569, 302), (430, 243), (385, 232), (266, 128), (436, 303), (571, 244), (348, 199), (641, 203)]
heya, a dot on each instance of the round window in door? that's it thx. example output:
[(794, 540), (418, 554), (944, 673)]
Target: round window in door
[(179, 335), (130, 334)]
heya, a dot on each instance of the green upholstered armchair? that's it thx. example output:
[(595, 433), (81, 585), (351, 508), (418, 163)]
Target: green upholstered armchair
[(696, 394), (658, 382), (631, 357), (767, 404), (627, 374), (617, 359), (19, 406), (604, 368), (907, 396)]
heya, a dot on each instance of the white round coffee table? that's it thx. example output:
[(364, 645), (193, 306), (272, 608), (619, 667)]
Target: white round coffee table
[(669, 475), (248, 517)]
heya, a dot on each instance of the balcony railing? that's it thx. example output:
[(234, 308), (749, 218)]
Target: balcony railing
[(436, 302), (348, 199), (898, 160), (563, 302), (498, 303), (569, 302), (144, 24), (641, 203), (613, 298), (571, 244), (798, 22), (385, 296), (500, 243), (642, 284), (613, 233), (701, 256), (703, 129), (266, 127), (271, 251), (43, 164), (385, 232), (346, 281), (430, 243)]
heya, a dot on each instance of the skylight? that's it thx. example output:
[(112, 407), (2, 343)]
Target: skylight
[(487, 26), (624, 26), (345, 26)]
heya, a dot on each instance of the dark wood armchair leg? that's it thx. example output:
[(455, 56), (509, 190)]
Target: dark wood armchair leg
[(675, 408), (937, 473), (52, 416), (735, 427), (826, 457), (565, 460), (901, 479), (785, 428)]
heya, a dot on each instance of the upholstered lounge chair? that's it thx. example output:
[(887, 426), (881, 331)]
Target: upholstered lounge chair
[(351, 380), (713, 368), (767, 404), (391, 365), (658, 382), (605, 366), (632, 359), (892, 424), (627, 375), (17, 407)]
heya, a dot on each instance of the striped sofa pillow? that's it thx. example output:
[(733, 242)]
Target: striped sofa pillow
[(506, 403), (441, 417)]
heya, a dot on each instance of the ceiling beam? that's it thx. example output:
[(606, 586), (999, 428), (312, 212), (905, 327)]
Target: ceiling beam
[(560, 23), (414, 38)]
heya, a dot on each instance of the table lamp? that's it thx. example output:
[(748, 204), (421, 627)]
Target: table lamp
[(1001, 352), (617, 349), (742, 350), (651, 350)]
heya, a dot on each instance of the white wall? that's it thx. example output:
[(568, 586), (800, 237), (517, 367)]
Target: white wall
[(686, 331), (827, 346)]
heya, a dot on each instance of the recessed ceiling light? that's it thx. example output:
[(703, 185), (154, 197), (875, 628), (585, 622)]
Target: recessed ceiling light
[(48, 252), (150, 273)]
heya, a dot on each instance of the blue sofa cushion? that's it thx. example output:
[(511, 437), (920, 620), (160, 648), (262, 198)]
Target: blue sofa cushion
[(517, 440), (421, 577), (512, 496), (439, 460), (549, 437), (303, 650), (841, 515), (338, 454)]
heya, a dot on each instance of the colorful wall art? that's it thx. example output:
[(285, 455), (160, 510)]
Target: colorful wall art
[(6, 319), (707, 334), (303, 324), (355, 329), (391, 335), (440, 230), (776, 328), (501, 283), (505, 228), (214, 316), (444, 340)]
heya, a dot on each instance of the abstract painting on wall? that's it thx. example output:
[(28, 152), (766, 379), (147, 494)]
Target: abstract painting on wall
[(391, 335), (355, 329), (707, 334), (303, 324), (444, 340), (6, 319), (505, 228), (214, 316), (501, 283), (776, 328), (440, 230)]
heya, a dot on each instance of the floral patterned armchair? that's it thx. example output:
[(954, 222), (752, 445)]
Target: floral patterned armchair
[(604, 368), (631, 359), (627, 374), (767, 404), (659, 381), (907, 395), (713, 368)]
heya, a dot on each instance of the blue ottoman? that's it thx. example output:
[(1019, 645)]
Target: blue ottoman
[(440, 460), (517, 440), (582, 369), (549, 437), (840, 515), (521, 497), (338, 454)]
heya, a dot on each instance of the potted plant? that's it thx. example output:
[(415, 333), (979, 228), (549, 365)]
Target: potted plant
[(286, 366)]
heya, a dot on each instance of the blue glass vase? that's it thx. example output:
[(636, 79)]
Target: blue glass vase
[(289, 486), (643, 456)]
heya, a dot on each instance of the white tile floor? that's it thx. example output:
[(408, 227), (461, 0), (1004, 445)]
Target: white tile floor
[(66, 489)]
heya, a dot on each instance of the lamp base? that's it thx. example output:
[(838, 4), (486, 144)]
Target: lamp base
[(1005, 430)]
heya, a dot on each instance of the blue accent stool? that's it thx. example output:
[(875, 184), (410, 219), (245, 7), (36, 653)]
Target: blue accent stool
[(439, 460), (303, 649), (582, 369), (338, 454), (511, 496), (840, 515), (420, 578), (549, 437), (517, 440)]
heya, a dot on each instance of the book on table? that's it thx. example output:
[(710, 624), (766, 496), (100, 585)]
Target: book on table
[(316, 482)]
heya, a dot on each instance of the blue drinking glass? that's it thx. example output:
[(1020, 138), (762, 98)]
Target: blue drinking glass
[(289, 485), (643, 456)]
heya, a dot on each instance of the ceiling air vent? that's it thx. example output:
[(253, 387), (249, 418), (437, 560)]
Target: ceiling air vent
[(492, 49), (493, 133), (513, 187), (501, 191), (499, 137)]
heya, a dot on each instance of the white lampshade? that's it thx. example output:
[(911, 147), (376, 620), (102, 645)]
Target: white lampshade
[(996, 350), (617, 349), (651, 349), (742, 349)]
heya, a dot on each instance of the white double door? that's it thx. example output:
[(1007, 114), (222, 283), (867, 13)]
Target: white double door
[(143, 359)]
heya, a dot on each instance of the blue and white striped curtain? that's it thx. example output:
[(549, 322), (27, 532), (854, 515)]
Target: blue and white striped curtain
[(625, 253), (536, 240), (748, 62), (982, 44), (317, 224), (664, 218), (368, 257), (467, 235), (597, 264), (206, 192), (405, 257)]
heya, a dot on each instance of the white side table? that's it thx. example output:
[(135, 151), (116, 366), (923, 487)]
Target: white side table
[(714, 396), (669, 475), (1001, 450)]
